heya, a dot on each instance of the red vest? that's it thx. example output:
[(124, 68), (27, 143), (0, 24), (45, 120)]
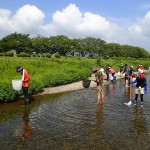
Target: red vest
[(26, 79)]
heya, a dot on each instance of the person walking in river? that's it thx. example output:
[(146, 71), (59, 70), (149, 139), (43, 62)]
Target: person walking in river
[(139, 90), (131, 73), (25, 83), (99, 77), (121, 68), (126, 71), (112, 72), (107, 72)]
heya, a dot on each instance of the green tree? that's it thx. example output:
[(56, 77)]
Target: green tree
[(41, 44), (60, 44), (16, 41)]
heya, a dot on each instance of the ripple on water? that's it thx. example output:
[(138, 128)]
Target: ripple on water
[(75, 120)]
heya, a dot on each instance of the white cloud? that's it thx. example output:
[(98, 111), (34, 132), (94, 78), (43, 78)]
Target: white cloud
[(73, 23), (28, 19), (141, 30), (5, 23)]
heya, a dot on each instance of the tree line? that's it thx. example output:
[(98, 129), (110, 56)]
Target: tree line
[(65, 46)]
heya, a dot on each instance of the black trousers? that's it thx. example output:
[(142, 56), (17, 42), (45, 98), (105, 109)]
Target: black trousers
[(25, 92)]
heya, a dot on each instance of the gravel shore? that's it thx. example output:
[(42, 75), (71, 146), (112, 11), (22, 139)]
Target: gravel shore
[(70, 87)]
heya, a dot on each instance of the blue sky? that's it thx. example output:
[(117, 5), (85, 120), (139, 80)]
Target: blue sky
[(120, 21)]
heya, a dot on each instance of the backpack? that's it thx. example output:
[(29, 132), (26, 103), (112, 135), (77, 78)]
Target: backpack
[(99, 78), (127, 70)]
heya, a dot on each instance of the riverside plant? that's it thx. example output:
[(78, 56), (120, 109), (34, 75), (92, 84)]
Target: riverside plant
[(43, 72), (51, 72)]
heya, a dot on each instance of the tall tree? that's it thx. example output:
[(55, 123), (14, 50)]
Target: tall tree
[(41, 44), (16, 41)]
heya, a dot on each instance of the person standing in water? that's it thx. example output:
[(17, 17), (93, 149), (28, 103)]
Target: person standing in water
[(121, 68), (126, 71), (25, 83), (140, 84), (99, 77)]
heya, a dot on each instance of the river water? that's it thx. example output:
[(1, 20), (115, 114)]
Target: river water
[(73, 121)]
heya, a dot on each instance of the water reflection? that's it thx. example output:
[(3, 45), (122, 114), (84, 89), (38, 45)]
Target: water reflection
[(128, 92), (99, 120), (112, 88), (139, 122), (27, 130), (73, 120)]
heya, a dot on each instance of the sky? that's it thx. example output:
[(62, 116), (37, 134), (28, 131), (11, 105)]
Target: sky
[(115, 21)]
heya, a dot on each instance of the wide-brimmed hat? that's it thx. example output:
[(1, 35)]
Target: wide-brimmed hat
[(19, 69)]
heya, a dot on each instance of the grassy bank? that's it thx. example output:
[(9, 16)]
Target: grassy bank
[(51, 72), (44, 72)]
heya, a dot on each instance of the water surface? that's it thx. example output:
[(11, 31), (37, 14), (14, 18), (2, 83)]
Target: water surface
[(73, 121)]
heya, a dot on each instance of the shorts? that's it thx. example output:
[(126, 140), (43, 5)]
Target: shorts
[(139, 90), (99, 89), (126, 78)]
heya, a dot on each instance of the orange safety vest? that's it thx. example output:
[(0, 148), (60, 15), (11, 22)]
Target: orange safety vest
[(26, 79)]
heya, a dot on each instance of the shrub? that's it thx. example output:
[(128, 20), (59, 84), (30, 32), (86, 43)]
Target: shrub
[(48, 55), (1, 54), (23, 54), (33, 55), (57, 55), (43, 55), (9, 53)]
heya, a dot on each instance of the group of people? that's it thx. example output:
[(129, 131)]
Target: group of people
[(100, 76), (130, 77)]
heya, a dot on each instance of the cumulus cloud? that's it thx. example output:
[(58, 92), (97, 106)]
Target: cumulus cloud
[(5, 22), (141, 30), (70, 21), (73, 23), (28, 19)]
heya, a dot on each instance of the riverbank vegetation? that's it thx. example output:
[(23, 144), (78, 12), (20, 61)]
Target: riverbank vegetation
[(44, 72), (51, 72)]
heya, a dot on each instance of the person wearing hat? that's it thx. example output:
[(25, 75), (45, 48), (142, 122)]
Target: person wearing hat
[(126, 71), (107, 72), (99, 78), (25, 82), (121, 67), (131, 73), (140, 84), (112, 72)]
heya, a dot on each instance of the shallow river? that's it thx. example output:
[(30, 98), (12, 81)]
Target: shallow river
[(73, 121)]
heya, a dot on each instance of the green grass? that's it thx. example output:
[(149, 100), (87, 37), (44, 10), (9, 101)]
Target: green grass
[(44, 72), (50, 72)]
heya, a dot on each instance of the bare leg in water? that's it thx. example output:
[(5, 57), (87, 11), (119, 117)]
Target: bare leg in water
[(100, 98)]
